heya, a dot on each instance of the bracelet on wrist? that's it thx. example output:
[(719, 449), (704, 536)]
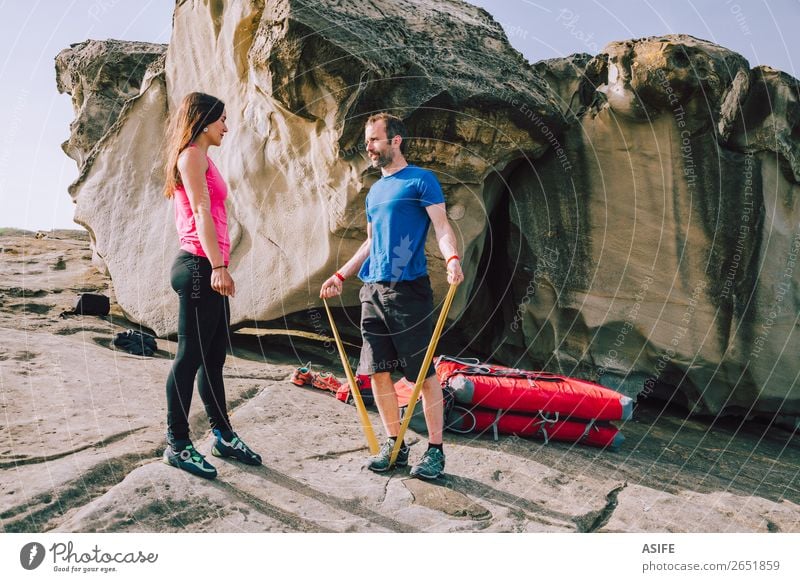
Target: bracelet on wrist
[(451, 258), (219, 267), (340, 276)]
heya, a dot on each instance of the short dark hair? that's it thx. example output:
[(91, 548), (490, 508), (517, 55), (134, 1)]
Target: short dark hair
[(394, 126)]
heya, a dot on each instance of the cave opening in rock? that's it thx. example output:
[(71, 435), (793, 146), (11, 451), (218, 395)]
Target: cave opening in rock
[(483, 327)]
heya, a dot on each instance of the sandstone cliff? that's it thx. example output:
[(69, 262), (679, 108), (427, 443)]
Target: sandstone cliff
[(662, 258), (628, 216)]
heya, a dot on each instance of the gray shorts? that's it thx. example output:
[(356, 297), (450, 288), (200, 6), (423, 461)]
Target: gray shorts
[(396, 326)]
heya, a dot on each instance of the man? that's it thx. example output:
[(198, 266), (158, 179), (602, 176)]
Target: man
[(396, 299)]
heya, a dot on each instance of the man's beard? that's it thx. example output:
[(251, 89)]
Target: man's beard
[(383, 160)]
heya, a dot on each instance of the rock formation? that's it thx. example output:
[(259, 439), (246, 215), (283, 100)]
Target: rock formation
[(628, 217), (297, 92), (101, 77), (118, 92), (661, 257)]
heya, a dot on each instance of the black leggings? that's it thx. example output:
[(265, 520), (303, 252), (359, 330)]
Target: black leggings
[(203, 325)]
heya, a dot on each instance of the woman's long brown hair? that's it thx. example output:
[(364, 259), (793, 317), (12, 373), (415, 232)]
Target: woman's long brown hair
[(196, 111)]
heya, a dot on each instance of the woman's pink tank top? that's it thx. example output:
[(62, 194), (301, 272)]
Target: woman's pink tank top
[(184, 218)]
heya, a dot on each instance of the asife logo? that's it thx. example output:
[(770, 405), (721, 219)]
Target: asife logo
[(31, 555)]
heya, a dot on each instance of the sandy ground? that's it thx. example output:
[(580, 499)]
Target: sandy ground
[(83, 428)]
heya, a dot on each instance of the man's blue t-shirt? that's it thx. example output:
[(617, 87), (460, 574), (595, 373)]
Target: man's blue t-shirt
[(396, 209)]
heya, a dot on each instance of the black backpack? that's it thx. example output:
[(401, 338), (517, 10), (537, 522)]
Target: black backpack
[(90, 304)]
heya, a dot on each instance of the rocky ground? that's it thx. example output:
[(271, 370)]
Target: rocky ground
[(83, 429)]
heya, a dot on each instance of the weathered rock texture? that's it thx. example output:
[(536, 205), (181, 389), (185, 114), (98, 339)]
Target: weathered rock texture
[(629, 217), (84, 429), (119, 96), (297, 92), (661, 258), (101, 77)]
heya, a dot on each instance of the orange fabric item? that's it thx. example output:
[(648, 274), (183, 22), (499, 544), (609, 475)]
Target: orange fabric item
[(403, 388)]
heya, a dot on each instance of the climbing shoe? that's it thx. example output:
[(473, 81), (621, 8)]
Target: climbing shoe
[(183, 455), (234, 449)]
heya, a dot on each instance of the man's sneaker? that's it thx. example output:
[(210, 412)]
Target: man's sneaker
[(430, 466), (303, 376), (234, 449), (184, 456), (380, 462), (326, 382)]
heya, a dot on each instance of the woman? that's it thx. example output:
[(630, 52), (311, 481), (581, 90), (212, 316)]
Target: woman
[(201, 279)]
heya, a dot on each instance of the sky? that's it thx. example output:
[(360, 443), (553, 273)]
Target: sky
[(35, 173)]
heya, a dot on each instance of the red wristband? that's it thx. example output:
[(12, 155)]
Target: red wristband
[(451, 258), (338, 274)]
